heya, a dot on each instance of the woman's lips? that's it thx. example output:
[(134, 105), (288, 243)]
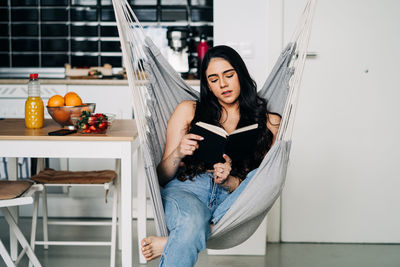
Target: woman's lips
[(227, 93)]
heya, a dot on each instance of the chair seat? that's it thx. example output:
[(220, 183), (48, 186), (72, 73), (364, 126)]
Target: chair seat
[(50, 176), (13, 189)]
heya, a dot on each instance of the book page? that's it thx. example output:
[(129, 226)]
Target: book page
[(212, 128), (246, 128)]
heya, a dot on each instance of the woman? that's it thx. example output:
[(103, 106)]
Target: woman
[(195, 198)]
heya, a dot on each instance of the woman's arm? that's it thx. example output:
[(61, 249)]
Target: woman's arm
[(178, 143)]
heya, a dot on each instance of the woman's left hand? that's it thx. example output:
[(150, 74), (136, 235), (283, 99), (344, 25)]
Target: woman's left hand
[(222, 170)]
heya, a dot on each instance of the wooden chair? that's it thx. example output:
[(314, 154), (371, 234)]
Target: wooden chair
[(51, 177), (12, 194)]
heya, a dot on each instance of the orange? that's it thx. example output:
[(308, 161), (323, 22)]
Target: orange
[(61, 115), (72, 99), (56, 101)]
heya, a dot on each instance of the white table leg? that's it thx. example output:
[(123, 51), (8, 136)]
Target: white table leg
[(12, 166), (142, 203), (5, 256), (126, 206)]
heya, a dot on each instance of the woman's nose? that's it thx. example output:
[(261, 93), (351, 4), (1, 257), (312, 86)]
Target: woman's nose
[(222, 83)]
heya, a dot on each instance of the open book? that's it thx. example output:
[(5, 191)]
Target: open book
[(238, 145)]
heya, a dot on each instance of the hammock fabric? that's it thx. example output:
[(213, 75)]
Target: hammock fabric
[(157, 89)]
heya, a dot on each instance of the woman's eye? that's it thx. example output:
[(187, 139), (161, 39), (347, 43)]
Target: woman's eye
[(229, 75), (214, 81)]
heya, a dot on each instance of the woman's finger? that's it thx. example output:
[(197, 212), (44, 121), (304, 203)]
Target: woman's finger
[(195, 137)]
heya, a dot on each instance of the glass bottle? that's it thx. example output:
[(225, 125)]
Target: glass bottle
[(202, 49), (34, 108)]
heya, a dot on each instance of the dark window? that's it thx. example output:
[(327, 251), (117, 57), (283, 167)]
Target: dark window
[(4, 45), (54, 60), (24, 14), (54, 2), (113, 61), (3, 30), (24, 2), (84, 2), (111, 46), (25, 60), (83, 14), (86, 31), (54, 45), (3, 14), (54, 30), (4, 60), (84, 61), (23, 45), (146, 14), (54, 14), (107, 14), (24, 30), (109, 31), (201, 14), (173, 14), (84, 46), (143, 2)]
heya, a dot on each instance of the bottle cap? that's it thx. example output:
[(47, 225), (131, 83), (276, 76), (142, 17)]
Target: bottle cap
[(33, 76)]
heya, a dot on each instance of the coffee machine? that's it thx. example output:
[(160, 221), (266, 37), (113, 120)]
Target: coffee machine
[(177, 52)]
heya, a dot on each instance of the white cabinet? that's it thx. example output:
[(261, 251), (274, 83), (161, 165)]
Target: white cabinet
[(13, 97)]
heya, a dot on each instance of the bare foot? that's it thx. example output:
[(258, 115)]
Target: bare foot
[(152, 246)]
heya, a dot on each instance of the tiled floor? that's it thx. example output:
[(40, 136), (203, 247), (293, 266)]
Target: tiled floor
[(278, 255)]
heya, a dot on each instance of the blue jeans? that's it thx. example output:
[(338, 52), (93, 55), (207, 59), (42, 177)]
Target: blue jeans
[(190, 207)]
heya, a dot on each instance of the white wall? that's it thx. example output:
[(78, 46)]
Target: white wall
[(243, 25), (343, 178)]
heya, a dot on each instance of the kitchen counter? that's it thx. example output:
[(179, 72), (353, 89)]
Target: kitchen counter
[(82, 81)]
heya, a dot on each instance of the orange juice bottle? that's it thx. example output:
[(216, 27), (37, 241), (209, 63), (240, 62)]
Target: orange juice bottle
[(34, 108)]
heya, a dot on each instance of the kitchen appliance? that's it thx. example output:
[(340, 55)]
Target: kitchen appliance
[(177, 52)]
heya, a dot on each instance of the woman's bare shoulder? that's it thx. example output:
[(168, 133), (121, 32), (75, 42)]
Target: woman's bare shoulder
[(184, 111), (273, 122), (186, 105)]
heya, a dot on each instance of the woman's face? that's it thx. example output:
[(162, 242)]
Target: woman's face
[(223, 81)]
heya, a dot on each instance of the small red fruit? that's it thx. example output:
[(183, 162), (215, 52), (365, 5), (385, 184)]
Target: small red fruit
[(103, 125)]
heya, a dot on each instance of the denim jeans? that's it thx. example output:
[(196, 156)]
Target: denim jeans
[(190, 207)]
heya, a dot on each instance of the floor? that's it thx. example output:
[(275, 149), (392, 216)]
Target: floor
[(278, 255)]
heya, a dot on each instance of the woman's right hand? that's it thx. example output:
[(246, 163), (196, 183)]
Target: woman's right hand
[(188, 144)]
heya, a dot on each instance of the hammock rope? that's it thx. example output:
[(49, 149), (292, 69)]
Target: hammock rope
[(157, 89)]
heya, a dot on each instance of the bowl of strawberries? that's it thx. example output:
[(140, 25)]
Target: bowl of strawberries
[(93, 123)]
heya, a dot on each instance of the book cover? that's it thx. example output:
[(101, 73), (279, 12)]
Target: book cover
[(238, 145)]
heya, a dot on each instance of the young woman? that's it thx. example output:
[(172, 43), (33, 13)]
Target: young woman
[(195, 198)]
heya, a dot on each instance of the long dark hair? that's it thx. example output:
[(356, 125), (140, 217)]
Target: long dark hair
[(253, 109)]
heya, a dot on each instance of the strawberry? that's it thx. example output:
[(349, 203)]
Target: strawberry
[(103, 125), (92, 120), (92, 128)]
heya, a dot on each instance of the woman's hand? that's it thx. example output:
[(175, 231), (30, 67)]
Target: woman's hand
[(188, 144), (222, 170)]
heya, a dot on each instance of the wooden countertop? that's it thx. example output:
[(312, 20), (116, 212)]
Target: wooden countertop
[(14, 129), (82, 81)]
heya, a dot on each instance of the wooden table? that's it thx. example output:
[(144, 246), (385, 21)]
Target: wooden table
[(120, 142)]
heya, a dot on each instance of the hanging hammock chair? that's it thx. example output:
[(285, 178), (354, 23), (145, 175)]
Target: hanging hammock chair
[(157, 89)]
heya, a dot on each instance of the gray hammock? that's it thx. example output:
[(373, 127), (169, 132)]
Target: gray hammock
[(157, 89)]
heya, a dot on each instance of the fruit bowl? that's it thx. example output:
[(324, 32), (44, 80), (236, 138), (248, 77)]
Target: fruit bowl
[(89, 123), (62, 115)]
